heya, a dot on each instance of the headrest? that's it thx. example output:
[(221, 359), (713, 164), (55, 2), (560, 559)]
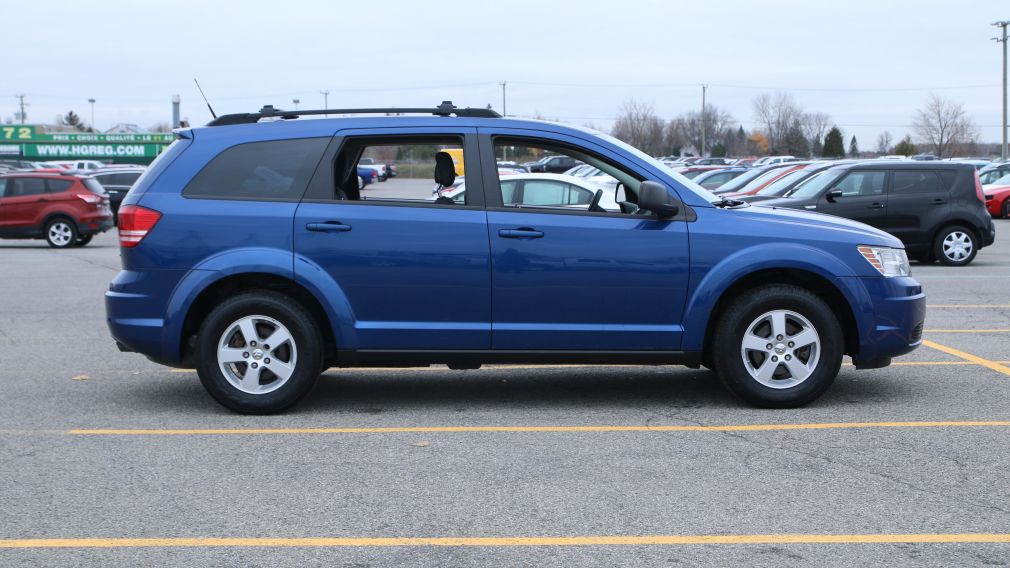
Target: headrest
[(445, 170)]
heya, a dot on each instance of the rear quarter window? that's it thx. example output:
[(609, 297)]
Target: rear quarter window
[(58, 185), (274, 170)]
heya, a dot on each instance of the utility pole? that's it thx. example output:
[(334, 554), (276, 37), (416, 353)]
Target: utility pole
[(22, 103), (92, 101), (503, 83), (704, 119), (1002, 39), (175, 111), (326, 99)]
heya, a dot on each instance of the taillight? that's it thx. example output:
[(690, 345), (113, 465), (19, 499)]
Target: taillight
[(90, 198), (134, 224), (978, 188)]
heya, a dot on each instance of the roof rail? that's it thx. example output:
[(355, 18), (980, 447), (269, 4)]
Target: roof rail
[(268, 111)]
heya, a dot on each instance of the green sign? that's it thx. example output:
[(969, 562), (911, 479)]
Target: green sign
[(45, 152), (32, 142)]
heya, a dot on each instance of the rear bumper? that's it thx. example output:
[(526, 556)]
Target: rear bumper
[(892, 320), (92, 224), (989, 237), (135, 306)]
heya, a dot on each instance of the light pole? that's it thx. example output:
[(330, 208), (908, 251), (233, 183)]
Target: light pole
[(92, 101), (503, 112), (296, 101), (703, 119), (1002, 39), (326, 99)]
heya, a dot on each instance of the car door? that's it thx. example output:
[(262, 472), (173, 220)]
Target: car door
[(414, 273), (863, 198), (566, 279), (916, 201), (23, 197)]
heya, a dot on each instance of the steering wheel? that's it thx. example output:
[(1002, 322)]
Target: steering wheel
[(594, 205)]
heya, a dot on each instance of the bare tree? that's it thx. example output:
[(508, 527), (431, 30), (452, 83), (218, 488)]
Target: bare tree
[(719, 128), (884, 141), (944, 125), (815, 125), (161, 126), (639, 126), (777, 114)]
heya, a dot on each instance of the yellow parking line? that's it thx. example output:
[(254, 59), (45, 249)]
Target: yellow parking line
[(558, 429), (995, 366), (604, 540)]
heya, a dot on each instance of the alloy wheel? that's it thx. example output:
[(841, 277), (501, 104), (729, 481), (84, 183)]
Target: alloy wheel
[(257, 354), (780, 349), (60, 233)]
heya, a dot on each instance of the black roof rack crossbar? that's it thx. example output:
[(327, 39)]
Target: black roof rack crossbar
[(268, 111)]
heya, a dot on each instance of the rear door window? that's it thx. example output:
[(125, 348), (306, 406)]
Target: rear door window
[(906, 182), (274, 170), (58, 185)]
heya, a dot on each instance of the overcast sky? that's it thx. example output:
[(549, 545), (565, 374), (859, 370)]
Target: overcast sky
[(869, 64)]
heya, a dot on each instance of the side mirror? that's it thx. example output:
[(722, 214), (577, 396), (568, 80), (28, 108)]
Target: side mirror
[(833, 194), (654, 197)]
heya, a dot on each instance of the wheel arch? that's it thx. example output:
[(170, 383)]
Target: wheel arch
[(802, 278), (230, 285)]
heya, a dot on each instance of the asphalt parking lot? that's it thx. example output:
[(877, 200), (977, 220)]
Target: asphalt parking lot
[(101, 452)]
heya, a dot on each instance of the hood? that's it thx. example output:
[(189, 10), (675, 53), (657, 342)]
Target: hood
[(847, 229), (995, 189)]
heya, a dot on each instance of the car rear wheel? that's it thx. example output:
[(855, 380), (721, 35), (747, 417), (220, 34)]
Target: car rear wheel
[(778, 346), (1006, 208), (83, 240), (61, 233), (955, 246), (259, 352)]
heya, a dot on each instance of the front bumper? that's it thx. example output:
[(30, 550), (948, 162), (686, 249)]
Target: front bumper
[(892, 316)]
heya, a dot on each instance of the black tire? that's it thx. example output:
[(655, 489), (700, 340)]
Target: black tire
[(941, 236), (751, 305), (83, 240), (305, 336), (1006, 208), (61, 232)]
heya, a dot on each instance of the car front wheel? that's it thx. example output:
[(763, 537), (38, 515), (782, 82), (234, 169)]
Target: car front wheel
[(1006, 208), (61, 233), (778, 346), (955, 246), (258, 352)]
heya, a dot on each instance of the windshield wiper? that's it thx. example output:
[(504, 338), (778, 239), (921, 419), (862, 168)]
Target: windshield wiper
[(730, 203)]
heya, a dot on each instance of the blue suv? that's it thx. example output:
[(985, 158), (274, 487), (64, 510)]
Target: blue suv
[(251, 253)]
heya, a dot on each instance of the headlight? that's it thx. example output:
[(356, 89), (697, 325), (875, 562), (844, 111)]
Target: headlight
[(888, 261)]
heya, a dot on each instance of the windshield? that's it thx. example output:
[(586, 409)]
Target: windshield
[(701, 191), (741, 180), (813, 186), (778, 186)]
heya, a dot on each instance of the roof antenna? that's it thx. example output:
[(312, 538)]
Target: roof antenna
[(205, 98)]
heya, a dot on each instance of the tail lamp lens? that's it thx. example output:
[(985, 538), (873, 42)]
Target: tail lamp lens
[(134, 224)]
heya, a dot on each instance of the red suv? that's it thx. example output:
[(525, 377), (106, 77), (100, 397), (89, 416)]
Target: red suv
[(64, 209)]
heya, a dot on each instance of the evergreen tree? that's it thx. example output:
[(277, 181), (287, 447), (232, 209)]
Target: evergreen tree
[(905, 147), (795, 140), (834, 146), (853, 148)]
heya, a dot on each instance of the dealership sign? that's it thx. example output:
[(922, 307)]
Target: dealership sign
[(31, 141)]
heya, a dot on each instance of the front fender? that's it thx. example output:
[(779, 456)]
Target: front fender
[(702, 298)]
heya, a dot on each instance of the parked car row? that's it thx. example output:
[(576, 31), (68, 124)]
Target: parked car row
[(939, 209)]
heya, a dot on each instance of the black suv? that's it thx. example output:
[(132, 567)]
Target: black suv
[(937, 208), (553, 165)]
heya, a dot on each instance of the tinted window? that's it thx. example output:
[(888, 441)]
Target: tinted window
[(903, 182), (17, 187), (862, 182), (278, 169), (58, 185)]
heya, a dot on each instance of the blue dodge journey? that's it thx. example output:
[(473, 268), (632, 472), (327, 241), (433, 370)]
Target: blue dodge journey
[(253, 252)]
